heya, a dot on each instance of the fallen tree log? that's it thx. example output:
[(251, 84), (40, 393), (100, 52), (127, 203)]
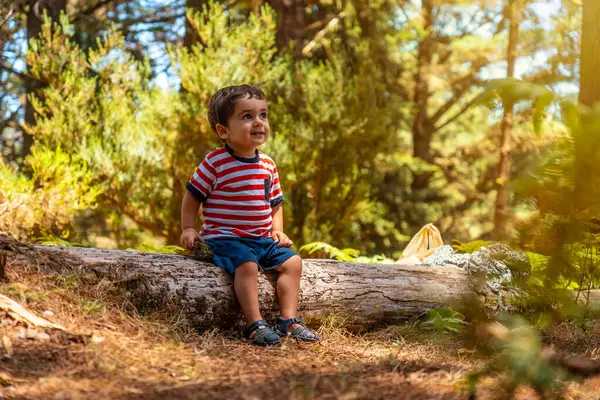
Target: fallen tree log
[(368, 295)]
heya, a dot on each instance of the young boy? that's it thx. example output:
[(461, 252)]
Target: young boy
[(243, 214)]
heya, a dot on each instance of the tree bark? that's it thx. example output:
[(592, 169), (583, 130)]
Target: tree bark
[(422, 127), (291, 24), (186, 133), (191, 36), (502, 197), (589, 88), (587, 136), (368, 295), (34, 26)]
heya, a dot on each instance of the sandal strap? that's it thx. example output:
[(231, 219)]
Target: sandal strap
[(254, 326), (282, 325), (304, 333), (263, 335), (301, 332)]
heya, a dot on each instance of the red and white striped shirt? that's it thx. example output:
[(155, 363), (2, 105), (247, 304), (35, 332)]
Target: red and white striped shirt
[(237, 193)]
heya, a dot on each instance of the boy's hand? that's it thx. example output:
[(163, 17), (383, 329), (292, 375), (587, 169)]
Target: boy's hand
[(282, 238), (189, 236)]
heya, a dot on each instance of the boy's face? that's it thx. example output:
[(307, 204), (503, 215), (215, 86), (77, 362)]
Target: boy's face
[(247, 128)]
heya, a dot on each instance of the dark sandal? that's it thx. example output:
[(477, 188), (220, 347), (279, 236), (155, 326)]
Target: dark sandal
[(264, 336), (300, 333)]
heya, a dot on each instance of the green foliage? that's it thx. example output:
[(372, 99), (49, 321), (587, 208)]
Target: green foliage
[(512, 91), (99, 105), (538, 261), (49, 239), (93, 307), (346, 255), (344, 121), (134, 138), (469, 247), (443, 319), (565, 189), (227, 54), (327, 147), (518, 358), (60, 186), (151, 248), (244, 52), (376, 259)]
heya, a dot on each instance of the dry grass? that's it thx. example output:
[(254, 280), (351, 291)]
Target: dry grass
[(113, 353)]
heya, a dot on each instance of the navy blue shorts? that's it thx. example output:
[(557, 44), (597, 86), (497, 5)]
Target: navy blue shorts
[(228, 253)]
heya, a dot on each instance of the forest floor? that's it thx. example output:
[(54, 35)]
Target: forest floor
[(110, 352)]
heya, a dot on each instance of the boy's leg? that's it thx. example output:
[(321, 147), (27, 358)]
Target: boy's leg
[(288, 287), (245, 284), (289, 267), (239, 259)]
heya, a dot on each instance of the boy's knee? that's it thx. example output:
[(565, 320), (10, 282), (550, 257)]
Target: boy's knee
[(297, 260), (247, 268), (292, 265)]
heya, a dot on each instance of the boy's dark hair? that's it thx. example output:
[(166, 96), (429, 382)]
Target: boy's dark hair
[(220, 106)]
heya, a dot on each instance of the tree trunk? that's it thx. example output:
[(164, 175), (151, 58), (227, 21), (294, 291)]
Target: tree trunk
[(589, 88), (191, 37), (587, 136), (291, 22), (422, 127), (186, 134), (369, 295), (34, 26), (502, 197)]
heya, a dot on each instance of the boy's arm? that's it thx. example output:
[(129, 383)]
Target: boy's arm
[(277, 229), (189, 213)]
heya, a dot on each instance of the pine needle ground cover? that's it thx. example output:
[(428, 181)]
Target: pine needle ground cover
[(109, 351)]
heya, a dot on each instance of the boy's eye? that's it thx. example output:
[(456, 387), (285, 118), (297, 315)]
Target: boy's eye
[(247, 116), (264, 115)]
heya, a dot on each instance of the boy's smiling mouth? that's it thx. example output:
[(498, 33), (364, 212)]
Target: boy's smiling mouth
[(257, 133)]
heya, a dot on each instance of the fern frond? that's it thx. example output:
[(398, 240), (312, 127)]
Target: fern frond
[(469, 247)]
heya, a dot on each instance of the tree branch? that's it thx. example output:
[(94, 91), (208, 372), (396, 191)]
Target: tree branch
[(319, 35), (458, 94), (158, 20), (11, 11), (458, 114), (463, 85), (91, 9), (321, 23), (11, 118), (13, 71)]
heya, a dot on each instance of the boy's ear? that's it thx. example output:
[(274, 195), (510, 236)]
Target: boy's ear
[(222, 131)]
